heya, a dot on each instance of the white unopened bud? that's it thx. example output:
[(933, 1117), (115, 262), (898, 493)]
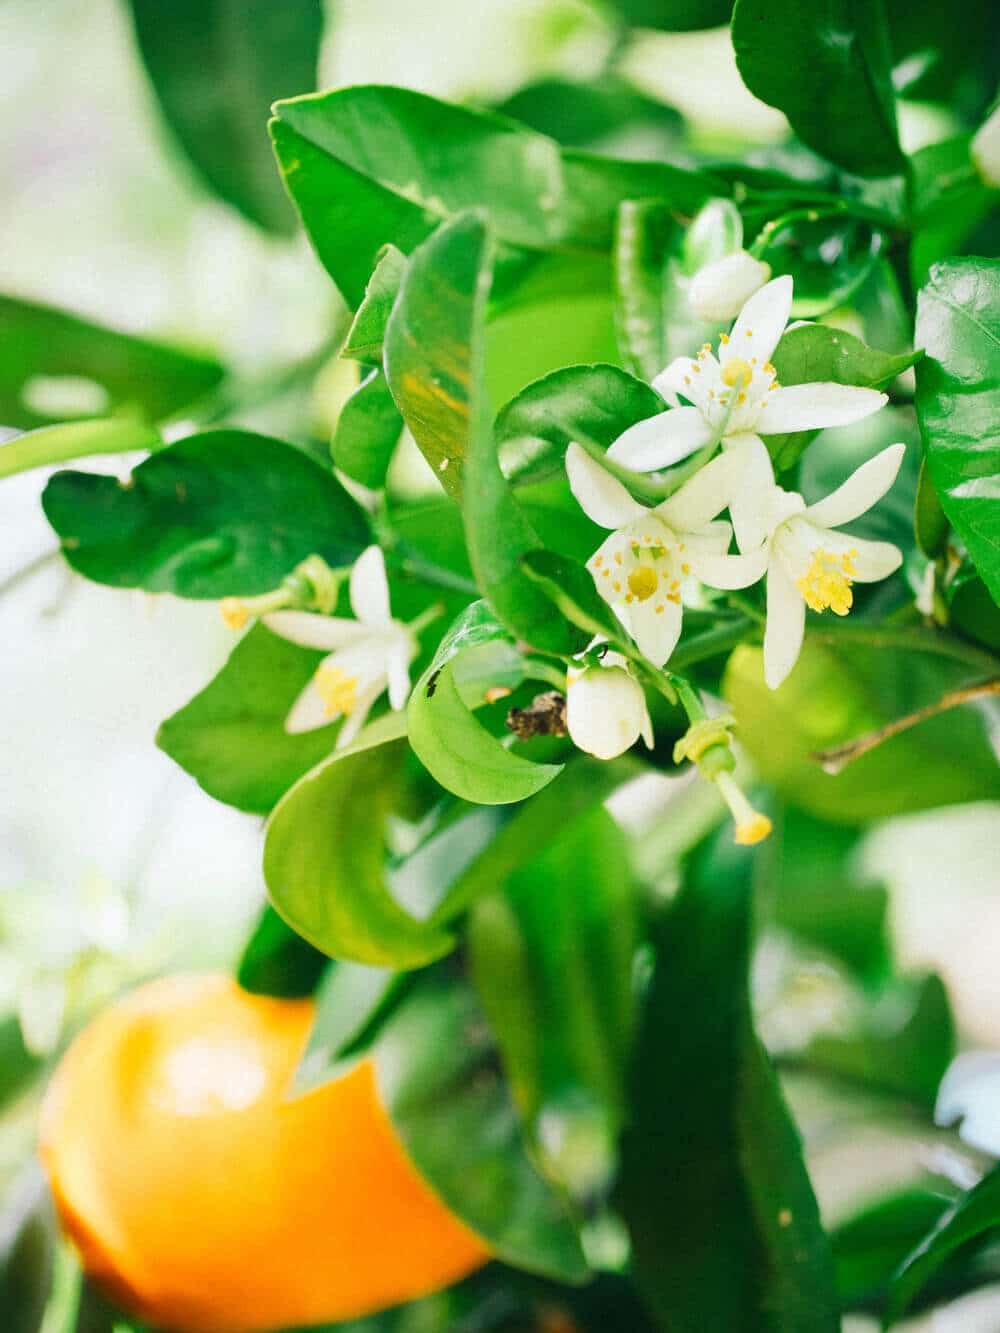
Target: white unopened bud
[(606, 711), (719, 290), (985, 150)]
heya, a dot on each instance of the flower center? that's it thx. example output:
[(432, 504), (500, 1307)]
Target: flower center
[(737, 373), (337, 689), (643, 582), (827, 582)]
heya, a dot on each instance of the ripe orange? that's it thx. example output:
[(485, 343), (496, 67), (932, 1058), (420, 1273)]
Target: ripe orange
[(204, 1201)]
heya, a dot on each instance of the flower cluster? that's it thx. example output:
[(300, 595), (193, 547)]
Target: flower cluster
[(731, 400)]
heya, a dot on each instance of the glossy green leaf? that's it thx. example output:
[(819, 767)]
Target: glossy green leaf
[(645, 237), (216, 67), (829, 258), (839, 691), (930, 525), (231, 737), (437, 1078), (552, 960), (54, 366), (958, 402), (870, 1246), (27, 1251), (592, 403), (448, 739), (347, 1004), (949, 201), (276, 961), (829, 70), (368, 430), (18, 1066), (972, 1218), (371, 165), (366, 335), (571, 589), (324, 857), (903, 1047), (725, 1228), (221, 513), (971, 609), (585, 114), (674, 15)]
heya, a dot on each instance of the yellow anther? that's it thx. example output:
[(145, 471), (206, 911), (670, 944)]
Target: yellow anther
[(826, 584), (753, 830), (598, 561), (337, 689), (742, 398), (769, 369), (234, 612), (696, 368), (751, 826), (660, 609), (749, 333), (617, 586), (737, 373), (643, 582), (687, 379), (685, 569), (618, 557), (723, 338)]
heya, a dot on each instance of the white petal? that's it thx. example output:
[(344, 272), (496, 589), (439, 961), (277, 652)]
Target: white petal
[(662, 440), (599, 495), (397, 664), (308, 712), (705, 495), (655, 634), (816, 406), (860, 491), (748, 505), (605, 711), (670, 382), (358, 715), (370, 588), (761, 323), (871, 561), (731, 571), (719, 290), (712, 539), (786, 622), (314, 631)]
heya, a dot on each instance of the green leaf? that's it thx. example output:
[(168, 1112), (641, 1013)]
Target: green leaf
[(447, 738), (276, 961), (54, 366), (18, 1066), (840, 691), (595, 403), (949, 201), (725, 1228), (572, 590), (674, 15), (368, 430), (347, 1005), (437, 1078), (971, 1219), (366, 335), (829, 259), (815, 352), (869, 1246), (829, 70), (27, 1252), (971, 609), (372, 165), (231, 737), (552, 960), (646, 298), (216, 67), (221, 513), (324, 856), (930, 525), (580, 114), (958, 402), (904, 1046)]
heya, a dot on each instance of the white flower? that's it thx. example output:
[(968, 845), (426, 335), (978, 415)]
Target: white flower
[(366, 656), (641, 568), (606, 709), (970, 1093), (719, 290), (808, 563), (738, 395), (985, 149)]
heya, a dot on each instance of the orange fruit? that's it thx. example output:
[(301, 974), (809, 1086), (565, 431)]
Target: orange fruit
[(203, 1200)]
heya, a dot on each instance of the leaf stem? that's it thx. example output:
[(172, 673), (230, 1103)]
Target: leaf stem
[(75, 439), (916, 639)]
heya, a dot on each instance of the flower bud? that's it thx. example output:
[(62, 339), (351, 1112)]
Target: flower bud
[(716, 230), (606, 711), (719, 290), (985, 150)]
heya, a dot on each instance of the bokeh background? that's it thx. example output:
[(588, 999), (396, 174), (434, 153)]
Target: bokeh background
[(113, 863)]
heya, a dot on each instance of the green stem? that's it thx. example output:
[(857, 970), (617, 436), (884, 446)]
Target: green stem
[(426, 617), (75, 439), (416, 567), (918, 640), (637, 483)]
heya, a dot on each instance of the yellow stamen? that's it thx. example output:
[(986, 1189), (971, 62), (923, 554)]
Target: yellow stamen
[(643, 582), (337, 689), (723, 338), (754, 830), (234, 612), (751, 826), (827, 582), (737, 373)]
